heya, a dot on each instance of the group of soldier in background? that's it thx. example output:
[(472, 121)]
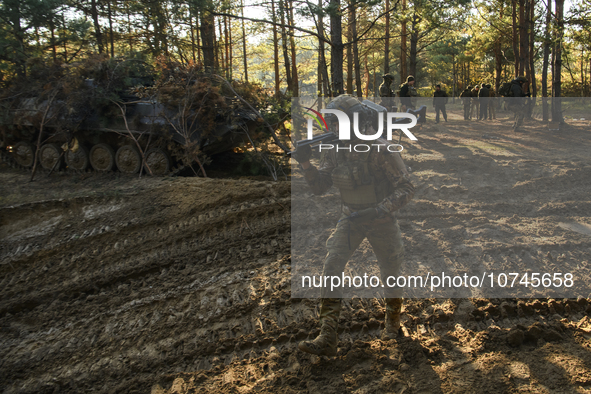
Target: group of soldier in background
[(407, 92), (478, 103), (478, 100)]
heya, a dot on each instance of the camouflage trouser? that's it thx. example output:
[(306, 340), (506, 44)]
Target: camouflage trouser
[(440, 108), (483, 108), (466, 110), (475, 110), (492, 113), (519, 115), (385, 238)]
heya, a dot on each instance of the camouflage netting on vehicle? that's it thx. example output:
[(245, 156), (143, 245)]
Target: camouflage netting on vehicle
[(129, 114)]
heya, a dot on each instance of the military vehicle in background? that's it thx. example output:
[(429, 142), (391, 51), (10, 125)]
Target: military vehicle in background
[(86, 126), (149, 128)]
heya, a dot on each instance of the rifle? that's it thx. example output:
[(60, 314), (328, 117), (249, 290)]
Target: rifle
[(325, 138)]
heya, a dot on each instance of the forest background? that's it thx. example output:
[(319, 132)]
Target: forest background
[(299, 48)]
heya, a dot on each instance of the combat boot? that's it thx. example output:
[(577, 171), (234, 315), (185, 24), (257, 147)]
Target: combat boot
[(325, 344), (392, 321)]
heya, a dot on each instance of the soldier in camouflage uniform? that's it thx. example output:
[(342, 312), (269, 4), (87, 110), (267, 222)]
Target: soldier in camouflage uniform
[(492, 114), (466, 95), (439, 102), (406, 93), (475, 111), (483, 98), (518, 104), (387, 93), (372, 188)]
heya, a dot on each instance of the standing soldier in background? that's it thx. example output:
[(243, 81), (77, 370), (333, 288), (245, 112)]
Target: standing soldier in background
[(405, 93), (372, 187), (475, 111), (492, 114), (483, 95), (387, 92), (439, 101), (517, 104), (466, 95)]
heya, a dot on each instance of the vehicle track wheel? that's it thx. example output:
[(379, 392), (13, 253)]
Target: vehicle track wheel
[(159, 161), (49, 155), (24, 154), (77, 160), (102, 157), (128, 159)]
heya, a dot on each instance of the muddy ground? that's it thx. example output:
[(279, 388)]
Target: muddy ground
[(110, 283)]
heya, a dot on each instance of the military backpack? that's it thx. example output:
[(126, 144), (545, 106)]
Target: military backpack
[(505, 90)]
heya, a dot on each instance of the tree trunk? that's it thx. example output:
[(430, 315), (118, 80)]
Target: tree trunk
[(515, 42), (53, 46), (322, 68), (160, 28), (534, 88), (275, 50), (336, 50), (230, 46), (97, 27), (366, 77), (111, 38), (244, 43), (414, 39), (373, 62), (556, 75), (207, 39), (387, 40), (356, 51), (192, 29), (403, 72), (350, 53), (128, 12), (294, 69), (220, 53), (523, 41), (197, 38), (227, 47), (64, 43), (453, 67), (282, 12), (498, 63)]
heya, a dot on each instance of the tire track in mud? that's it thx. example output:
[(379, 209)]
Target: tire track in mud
[(112, 287), (203, 235), (195, 303)]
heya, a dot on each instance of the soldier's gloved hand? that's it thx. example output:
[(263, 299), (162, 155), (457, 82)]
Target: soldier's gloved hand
[(366, 215), (302, 154)]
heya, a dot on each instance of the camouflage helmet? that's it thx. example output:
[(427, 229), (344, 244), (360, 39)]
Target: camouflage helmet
[(388, 76), (346, 103), (521, 79)]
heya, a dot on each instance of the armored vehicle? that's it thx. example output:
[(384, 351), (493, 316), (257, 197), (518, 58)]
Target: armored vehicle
[(85, 126)]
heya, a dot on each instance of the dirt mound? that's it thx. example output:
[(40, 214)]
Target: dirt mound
[(111, 283)]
